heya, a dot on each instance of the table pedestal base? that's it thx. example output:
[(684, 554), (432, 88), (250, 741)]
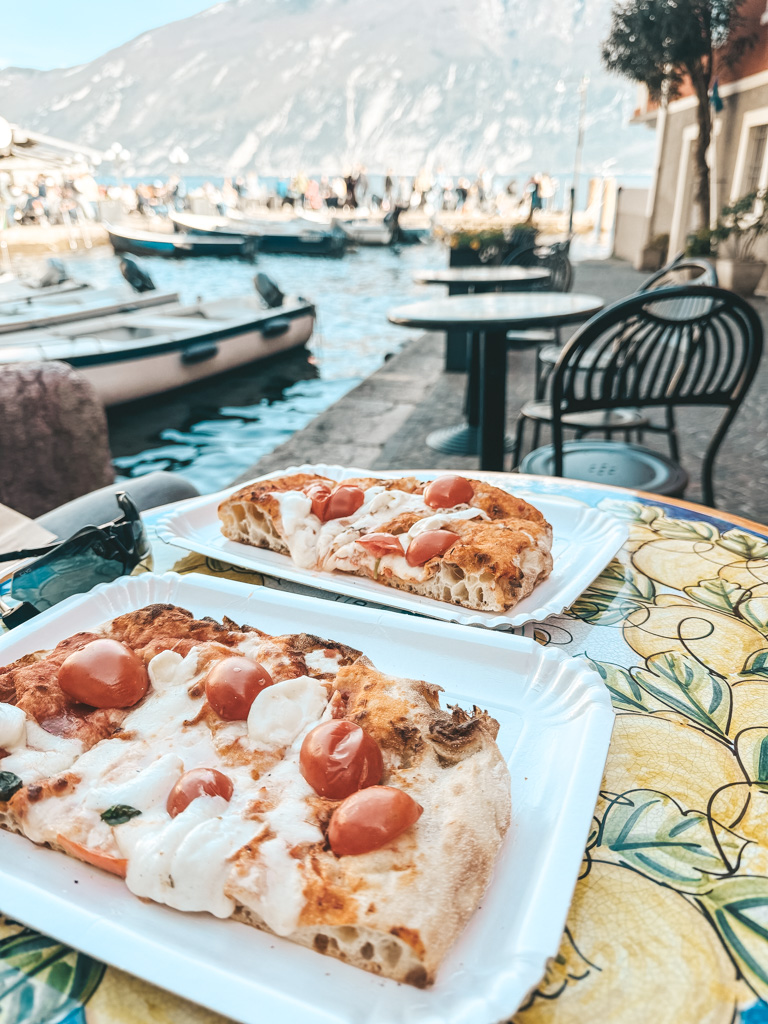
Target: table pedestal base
[(460, 439)]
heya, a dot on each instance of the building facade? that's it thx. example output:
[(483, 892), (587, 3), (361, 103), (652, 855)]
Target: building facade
[(739, 154)]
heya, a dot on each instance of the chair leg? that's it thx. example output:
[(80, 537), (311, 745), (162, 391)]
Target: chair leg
[(519, 432), (536, 432), (674, 449)]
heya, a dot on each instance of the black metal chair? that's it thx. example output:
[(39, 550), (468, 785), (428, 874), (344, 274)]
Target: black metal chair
[(678, 271), (691, 345)]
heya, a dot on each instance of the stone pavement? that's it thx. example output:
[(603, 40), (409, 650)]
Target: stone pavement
[(383, 423)]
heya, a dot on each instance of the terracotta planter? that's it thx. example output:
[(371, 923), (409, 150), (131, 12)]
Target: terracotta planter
[(740, 276)]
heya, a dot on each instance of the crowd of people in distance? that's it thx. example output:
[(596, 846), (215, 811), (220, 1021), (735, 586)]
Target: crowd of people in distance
[(48, 200)]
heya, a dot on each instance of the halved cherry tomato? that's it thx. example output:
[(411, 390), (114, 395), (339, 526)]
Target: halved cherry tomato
[(233, 684), (448, 491), (104, 674), (105, 861), (380, 544), (371, 818), (338, 758), (429, 544), (319, 493), (198, 782), (343, 502)]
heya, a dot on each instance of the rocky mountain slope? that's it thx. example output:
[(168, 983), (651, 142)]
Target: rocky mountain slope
[(276, 85)]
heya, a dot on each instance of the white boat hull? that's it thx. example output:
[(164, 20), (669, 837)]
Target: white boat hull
[(143, 377)]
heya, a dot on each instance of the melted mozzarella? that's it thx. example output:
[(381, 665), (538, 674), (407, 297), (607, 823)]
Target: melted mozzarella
[(333, 545), (44, 755), (284, 710), (145, 789), (184, 861), (444, 520), (300, 526), (274, 885), (13, 727), (322, 661)]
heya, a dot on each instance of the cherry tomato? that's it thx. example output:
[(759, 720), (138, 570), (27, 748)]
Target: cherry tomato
[(371, 818), (338, 758), (380, 544), (105, 861), (429, 544), (233, 684), (104, 674), (448, 491), (343, 502), (319, 493), (198, 782)]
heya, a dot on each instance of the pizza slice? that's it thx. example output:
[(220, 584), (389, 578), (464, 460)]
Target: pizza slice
[(282, 781), (452, 539)]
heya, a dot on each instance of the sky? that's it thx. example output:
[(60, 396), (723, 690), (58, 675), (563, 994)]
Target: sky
[(54, 34)]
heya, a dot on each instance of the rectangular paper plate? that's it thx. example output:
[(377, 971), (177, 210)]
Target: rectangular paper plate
[(556, 722), (585, 540)]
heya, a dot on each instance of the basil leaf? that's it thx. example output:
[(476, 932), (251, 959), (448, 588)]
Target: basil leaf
[(9, 784), (119, 814)]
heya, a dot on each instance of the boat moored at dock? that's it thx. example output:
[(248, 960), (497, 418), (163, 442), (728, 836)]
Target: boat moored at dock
[(297, 237), (180, 245), (135, 355), (49, 308)]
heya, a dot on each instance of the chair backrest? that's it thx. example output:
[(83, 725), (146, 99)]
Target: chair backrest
[(643, 352), (681, 271), (553, 258), (678, 272)]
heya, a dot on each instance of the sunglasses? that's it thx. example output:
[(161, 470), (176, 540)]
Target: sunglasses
[(95, 554)]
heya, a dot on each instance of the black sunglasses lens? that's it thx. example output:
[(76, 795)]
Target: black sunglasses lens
[(73, 568)]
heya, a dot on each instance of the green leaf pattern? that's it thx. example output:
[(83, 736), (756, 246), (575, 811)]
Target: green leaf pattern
[(684, 685), (41, 980), (650, 832)]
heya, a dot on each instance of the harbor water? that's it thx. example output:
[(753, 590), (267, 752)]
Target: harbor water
[(213, 431)]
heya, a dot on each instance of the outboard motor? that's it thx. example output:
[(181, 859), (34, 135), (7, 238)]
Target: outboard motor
[(55, 273), (392, 220), (136, 276), (269, 291)]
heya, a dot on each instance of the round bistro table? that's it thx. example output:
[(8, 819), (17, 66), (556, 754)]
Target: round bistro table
[(490, 318), (474, 281), (668, 916)]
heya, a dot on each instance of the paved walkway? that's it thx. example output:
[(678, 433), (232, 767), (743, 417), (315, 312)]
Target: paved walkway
[(383, 423)]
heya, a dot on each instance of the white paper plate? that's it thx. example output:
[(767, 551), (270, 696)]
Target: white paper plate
[(556, 722), (585, 540)]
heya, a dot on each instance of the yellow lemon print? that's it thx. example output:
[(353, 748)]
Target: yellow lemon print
[(721, 642), (630, 934), (650, 752)]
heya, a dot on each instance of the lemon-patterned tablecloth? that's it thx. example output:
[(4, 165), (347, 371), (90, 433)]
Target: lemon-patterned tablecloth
[(669, 920)]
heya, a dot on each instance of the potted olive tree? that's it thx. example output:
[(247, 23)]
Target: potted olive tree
[(739, 227)]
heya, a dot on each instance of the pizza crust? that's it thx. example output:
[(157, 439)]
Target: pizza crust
[(395, 911)]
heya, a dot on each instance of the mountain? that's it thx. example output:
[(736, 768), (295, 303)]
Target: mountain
[(279, 85)]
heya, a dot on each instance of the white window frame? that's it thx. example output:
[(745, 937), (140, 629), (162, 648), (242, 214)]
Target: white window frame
[(682, 199), (751, 119)]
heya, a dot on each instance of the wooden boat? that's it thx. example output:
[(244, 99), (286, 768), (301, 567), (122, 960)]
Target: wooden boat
[(13, 289), (134, 355), (366, 231), (297, 237), (179, 245), (385, 230), (46, 308)]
